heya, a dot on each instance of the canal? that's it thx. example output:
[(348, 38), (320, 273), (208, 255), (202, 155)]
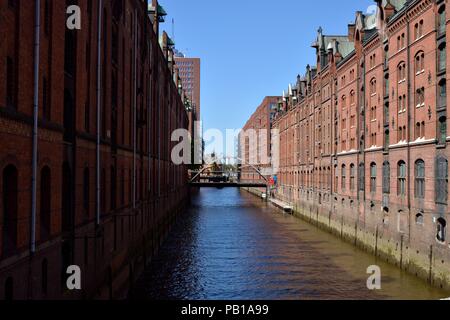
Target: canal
[(231, 245)]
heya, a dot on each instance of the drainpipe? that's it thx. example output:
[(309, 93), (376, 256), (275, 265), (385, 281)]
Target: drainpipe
[(99, 86), (35, 125), (149, 128), (409, 165), (134, 109)]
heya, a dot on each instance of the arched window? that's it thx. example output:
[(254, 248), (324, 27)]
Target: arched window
[(385, 216), (442, 130), (10, 210), (86, 193), (419, 179), (441, 19), (401, 71), (420, 62), (441, 230), (344, 102), (9, 289), (113, 190), (373, 177), (419, 218), (386, 85), (442, 57), (45, 203), (362, 177), (67, 188), (441, 180), (343, 177), (44, 276), (11, 76), (386, 178), (442, 99), (352, 177), (418, 29), (420, 97), (401, 178), (373, 86)]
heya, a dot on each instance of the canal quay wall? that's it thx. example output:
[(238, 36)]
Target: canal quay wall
[(428, 260), (94, 187)]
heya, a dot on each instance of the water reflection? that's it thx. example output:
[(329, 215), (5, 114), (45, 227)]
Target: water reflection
[(231, 245)]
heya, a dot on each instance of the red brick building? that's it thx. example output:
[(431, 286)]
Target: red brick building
[(364, 144), (105, 187), (255, 147)]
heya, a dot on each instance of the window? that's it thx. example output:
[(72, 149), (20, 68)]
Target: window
[(442, 130), (420, 62), (336, 179), (419, 218), (46, 18), (441, 20), (10, 210), (442, 98), (441, 230), (373, 113), (344, 102), (113, 187), (386, 178), (401, 179), (44, 276), (87, 119), (86, 193), (10, 83), (442, 57), (352, 177), (45, 204), (45, 100), (9, 289), (401, 69), (361, 177), (386, 85), (372, 61), (420, 130), (373, 86), (343, 177), (419, 179), (70, 52), (441, 180), (420, 97), (386, 140), (402, 103), (352, 97), (418, 29), (373, 178), (400, 134), (67, 199)]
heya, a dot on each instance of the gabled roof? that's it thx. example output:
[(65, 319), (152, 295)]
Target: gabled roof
[(398, 4)]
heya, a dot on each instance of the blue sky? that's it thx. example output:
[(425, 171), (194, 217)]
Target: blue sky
[(251, 48)]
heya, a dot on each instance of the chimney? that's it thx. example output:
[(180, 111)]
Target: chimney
[(351, 32)]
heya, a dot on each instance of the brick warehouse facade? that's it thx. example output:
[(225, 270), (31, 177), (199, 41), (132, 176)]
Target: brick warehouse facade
[(364, 145), (102, 206), (252, 148)]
